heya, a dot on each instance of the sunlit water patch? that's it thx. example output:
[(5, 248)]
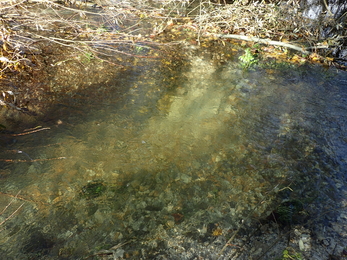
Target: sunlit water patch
[(190, 158)]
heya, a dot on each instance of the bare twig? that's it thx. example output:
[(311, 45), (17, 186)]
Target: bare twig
[(8, 205), (110, 251), (33, 160), (11, 216), (32, 131)]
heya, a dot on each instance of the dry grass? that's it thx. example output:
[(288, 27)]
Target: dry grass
[(105, 27)]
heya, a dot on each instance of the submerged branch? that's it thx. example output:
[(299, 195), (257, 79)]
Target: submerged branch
[(8, 205), (33, 131), (12, 215), (32, 160)]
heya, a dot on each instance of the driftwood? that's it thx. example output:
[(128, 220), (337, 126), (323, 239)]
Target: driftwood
[(264, 41)]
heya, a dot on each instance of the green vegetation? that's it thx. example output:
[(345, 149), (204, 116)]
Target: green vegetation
[(93, 190), (87, 57), (289, 212), (290, 254), (138, 49), (248, 59)]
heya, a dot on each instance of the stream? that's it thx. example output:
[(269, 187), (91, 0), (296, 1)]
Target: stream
[(171, 155)]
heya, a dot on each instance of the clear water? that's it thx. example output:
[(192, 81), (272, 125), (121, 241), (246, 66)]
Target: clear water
[(167, 150)]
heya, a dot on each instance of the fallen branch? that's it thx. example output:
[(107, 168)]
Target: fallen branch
[(111, 251), (33, 131), (12, 215), (264, 41), (8, 205), (105, 45)]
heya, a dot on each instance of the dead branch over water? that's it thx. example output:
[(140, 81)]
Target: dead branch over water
[(264, 41)]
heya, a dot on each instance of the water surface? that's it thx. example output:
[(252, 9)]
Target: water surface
[(168, 151)]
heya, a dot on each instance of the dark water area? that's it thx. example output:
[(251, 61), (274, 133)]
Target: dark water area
[(171, 153)]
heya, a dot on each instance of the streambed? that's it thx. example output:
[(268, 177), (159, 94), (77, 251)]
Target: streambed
[(174, 158)]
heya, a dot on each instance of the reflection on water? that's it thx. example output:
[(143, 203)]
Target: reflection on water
[(167, 162)]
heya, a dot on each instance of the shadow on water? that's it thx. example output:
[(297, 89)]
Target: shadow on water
[(164, 158)]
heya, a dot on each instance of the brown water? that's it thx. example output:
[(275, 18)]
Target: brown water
[(167, 151)]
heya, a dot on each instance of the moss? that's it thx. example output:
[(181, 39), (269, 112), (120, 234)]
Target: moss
[(288, 212), (93, 190)]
